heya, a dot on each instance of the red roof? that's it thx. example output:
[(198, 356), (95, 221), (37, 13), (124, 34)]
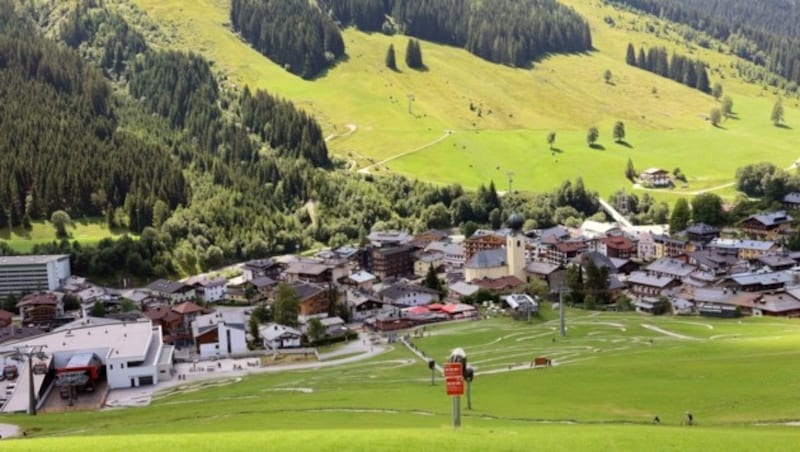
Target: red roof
[(5, 315), (455, 308), (435, 306), (419, 310), (187, 307)]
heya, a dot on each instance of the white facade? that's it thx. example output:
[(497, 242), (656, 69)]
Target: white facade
[(133, 371), (230, 341), (26, 274), (515, 252)]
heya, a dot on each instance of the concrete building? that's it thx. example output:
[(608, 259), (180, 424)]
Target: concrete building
[(132, 353), (220, 334), (24, 274)]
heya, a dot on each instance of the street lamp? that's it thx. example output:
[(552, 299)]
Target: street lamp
[(29, 352)]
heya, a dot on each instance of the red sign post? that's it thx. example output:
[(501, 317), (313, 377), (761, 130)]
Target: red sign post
[(453, 370), (455, 386)]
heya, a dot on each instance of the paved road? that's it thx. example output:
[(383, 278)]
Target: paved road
[(618, 217)]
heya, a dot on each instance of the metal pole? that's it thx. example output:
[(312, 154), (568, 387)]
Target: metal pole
[(31, 394), (433, 373), (469, 396), (456, 411), (562, 327)]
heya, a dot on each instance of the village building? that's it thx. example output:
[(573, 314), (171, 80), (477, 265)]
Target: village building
[(361, 280), (462, 289), (5, 318), (389, 262), (744, 249), (42, 308), (642, 284), (404, 294), (483, 241), (362, 305), (210, 290), (277, 337), (313, 300), (500, 262), (770, 226), (656, 177), (454, 253), (173, 291), (501, 286), (261, 267), (380, 239), (671, 267), (219, 334), (791, 201), (26, 274), (702, 233), (427, 260)]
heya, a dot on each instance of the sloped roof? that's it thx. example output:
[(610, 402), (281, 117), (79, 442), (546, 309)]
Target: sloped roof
[(772, 218), (187, 307), (488, 259)]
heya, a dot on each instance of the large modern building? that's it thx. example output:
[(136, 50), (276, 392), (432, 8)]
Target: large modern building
[(25, 274), (129, 354)]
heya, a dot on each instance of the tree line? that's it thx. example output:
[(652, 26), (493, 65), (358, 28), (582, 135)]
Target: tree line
[(59, 138), (755, 31), (293, 33), (692, 73), (512, 32)]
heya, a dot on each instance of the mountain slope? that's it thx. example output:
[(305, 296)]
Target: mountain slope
[(567, 94)]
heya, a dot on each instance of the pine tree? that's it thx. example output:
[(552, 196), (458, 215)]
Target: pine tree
[(592, 135), (414, 55), (641, 60), (551, 139), (630, 171), (391, 61), (777, 112), (630, 57), (619, 131), (703, 84)]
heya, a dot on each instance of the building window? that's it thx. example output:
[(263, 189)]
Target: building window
[(110, 367)]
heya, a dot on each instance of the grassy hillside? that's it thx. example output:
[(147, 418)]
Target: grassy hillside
[(566, 94), (613, 374), (85, 231)]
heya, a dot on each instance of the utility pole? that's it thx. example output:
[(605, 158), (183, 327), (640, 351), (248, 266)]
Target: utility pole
[(562, 326), (510, 179), (410, 100), (29, 352)]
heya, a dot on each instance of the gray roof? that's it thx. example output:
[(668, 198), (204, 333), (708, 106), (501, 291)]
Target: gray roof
[(777, 260), (644, 279), (274, 331), (488, 259), (762, 245), (702, 229), (764, 279), (166, 286), (263, 281), (541, 268), (777, 303), (397, 291), (305, 290), (362, 277), (32, 260), (452, 249), (792, 198), (670, 266), (772, 218)]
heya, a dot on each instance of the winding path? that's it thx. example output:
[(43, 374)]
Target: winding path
[(366, 169), (351, 129)]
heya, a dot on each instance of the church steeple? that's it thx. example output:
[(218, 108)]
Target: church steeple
[(515, 247)]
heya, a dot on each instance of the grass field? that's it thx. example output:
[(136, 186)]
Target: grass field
[(86, 231), (613, 373), (518, 107)]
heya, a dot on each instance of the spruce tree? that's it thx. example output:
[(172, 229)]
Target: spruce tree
[(777, 112), (641, 60), (414, 55), (680, 217), (630, 57), (703, 84), (630, 171), (391, 61)]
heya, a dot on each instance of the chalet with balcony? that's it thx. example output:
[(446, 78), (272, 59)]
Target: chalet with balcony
[(770, 225)]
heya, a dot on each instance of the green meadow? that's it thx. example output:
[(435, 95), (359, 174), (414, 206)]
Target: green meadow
[(499, 116), (85, 231), (612, 374)]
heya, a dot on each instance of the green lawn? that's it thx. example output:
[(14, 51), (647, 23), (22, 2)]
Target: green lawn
[(613, 373), (518, 107), (87, 231)]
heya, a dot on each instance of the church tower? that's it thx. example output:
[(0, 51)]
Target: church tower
[(515, 248)]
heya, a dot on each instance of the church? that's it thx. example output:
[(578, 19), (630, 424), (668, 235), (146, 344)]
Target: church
[(500, 262)]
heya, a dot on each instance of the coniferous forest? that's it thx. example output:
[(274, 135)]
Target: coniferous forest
[(513, 32), (692, 73), (292, 33), (763, 32)]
